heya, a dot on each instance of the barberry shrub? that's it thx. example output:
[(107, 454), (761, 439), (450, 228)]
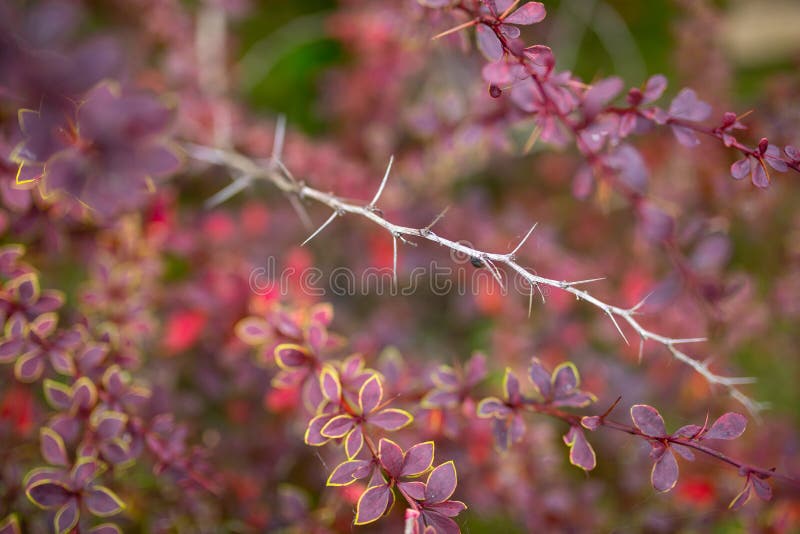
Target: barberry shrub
[(170, 267)]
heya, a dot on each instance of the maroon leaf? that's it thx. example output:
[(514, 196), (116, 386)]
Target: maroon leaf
[(441, 483), (728, 426), (665, 472), (372, 504), (648, 420), (530, 13), (391, 457), (418, 459), (415, 490), (488, 43)]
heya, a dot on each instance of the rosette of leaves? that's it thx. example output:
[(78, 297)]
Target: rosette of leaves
[(70, 490)]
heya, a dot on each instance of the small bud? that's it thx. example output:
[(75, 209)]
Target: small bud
[(763, 145), (635, 96), (495, 91), (728, 119)]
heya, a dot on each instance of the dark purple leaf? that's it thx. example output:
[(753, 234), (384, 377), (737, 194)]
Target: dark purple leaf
[(418, 459), (102, 502), (84, 471), (391, 457), (10, 525), (648, 420), (529, 13), (688, 431), (447, 508), (488, 43), (108, 424), (67, 517), (415, 490), (372, 504), (665, 472), (29, 367), (53, 450), (511, 386), (348, 472), (441, 483), (729, 426), (84, 393), (48, 493)]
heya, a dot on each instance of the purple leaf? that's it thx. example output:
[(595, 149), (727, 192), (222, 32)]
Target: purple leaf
[(84, 393), (742, 498), (439, 524), (648, 420), (354, 442), (511, 386), (84, 471), (654, 88), (370, 395), (105, 528), (441, 483), (29, 367), (330, 385), (581, 453), (740, 168), (530, 13), (415, 490), (492, 407), (10, 525), (391, 419), (48, 493), (391, 457), (253, 331), (685, 136), (758, 175), (447, 508), (53, 450), (313, 434), (688, 431), (348, 472), (289, 356), (438, 398), (475, 369), (67, 517), (102, 502), (565, 379), (372, 504), (792, 152), (108, 424), (685, 452), (540, 377), (418, 459), (600, 93), (665, 472), (688, 107), (488, 43), (338, 426), (445, 377), (591, 422), (729, 426), (762, 488)]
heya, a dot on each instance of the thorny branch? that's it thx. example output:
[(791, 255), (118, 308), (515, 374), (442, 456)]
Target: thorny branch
[(273, 170)]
